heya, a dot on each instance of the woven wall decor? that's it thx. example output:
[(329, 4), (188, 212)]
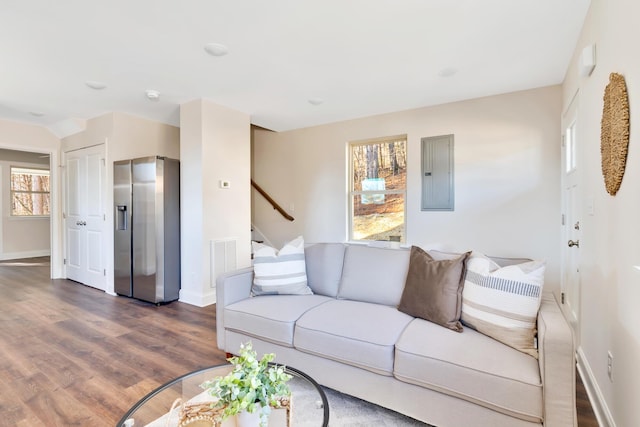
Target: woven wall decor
[(614, 132)]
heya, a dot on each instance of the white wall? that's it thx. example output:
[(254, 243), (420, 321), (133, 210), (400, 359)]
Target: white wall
[(507, 169), (25, 137), (214, 146), (610, 241)]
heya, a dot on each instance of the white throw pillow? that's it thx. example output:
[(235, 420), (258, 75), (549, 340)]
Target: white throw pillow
[(503, 302), (280, 272)]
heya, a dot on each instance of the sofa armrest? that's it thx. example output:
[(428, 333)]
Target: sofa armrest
[(557, 364), (231, 287)]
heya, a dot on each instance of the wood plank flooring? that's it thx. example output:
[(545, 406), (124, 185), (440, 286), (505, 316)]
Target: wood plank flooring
[(71, 355)]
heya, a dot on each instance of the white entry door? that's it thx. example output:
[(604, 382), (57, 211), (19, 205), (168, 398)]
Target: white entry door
[(85, 216), (571, 217), (571, 267)]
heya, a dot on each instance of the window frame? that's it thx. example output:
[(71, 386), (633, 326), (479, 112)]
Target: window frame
[(12, 192), (352, 193)]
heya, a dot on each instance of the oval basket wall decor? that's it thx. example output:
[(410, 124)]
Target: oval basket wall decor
[(614, 132)]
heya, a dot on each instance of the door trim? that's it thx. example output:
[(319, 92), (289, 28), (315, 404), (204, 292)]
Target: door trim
[(570, 119)]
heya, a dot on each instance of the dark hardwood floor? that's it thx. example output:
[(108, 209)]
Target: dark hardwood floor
[(71, 355)]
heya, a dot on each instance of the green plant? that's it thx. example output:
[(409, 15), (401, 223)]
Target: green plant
[(252, 385)]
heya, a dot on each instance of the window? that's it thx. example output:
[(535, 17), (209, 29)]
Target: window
[(570, 148), (377, 189), (29, 192)]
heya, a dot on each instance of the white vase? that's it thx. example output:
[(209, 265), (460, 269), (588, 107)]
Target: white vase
[(248, 419)]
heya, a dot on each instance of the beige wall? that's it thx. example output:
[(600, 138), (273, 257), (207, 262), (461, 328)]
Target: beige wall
[(21, 237), (610, 241), (125, 137), (45, 237), (507, 168), (214, 146), (136, 137), (97, 131)]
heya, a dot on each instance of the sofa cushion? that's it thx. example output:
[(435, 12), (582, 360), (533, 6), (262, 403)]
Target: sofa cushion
[(501, 261), (503, 302), (280, 272), (433, 290), (505, 262), (324, 267), (374, 275), (470, 366), (352, 332), (270, 317)]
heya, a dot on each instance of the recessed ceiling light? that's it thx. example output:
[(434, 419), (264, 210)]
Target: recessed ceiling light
[(316, 101), (93, 84), (447, 72), (216, 49), (152, 94), (36, 113)]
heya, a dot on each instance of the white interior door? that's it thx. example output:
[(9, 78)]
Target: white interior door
[(85, 216), (571, 216)]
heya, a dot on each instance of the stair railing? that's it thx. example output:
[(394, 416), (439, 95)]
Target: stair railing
[(273, 203)]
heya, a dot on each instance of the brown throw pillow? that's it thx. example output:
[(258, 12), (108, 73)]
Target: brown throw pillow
[(433, 290)]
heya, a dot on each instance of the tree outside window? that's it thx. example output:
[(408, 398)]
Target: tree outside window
[(377, 189), (30, 192)]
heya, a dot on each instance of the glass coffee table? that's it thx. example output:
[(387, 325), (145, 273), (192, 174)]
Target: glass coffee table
[(308, 406)]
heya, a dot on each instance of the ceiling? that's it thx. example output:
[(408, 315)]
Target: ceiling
[(352, 58)]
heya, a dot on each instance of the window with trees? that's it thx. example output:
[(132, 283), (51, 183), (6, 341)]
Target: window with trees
[(29, 192), (377, 189)]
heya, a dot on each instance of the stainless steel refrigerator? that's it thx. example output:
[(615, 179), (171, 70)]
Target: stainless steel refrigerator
[(146, 195)]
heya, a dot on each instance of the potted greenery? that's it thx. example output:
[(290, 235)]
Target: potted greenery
[(252, 386)]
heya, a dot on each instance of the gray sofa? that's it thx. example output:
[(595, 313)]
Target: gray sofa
[(349, 336)]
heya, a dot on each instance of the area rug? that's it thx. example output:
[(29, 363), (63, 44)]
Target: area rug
[(345, 410)]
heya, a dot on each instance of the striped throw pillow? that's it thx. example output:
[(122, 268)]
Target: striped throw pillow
[(280, 272), (503, 303)]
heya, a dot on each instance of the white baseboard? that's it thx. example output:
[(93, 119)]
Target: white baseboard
[(197, 299), (600, 408), (27, 254)]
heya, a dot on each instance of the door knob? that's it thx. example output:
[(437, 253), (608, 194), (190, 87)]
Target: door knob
[(571, 243)]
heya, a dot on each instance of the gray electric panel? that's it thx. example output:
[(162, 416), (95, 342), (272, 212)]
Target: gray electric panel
[(437, 173)]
